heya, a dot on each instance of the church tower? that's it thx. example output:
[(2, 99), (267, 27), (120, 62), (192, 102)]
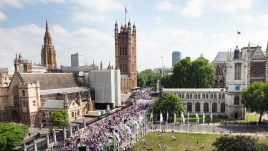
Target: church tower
[(125, 55), (236, 81), (48, 53)]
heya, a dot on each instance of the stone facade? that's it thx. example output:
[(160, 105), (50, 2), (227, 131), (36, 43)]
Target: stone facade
[(48, 53), (207, 101), (32, 97), (125, 55), (257, 62)]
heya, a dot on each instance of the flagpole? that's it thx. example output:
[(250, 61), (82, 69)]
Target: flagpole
[(196, 122), (125, 15), (204, 117), (188, 121), (181, 122), (174, 121), (160, 120)]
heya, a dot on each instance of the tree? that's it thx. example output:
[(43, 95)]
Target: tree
[(59, 118), (166, 81), (168, 102), (147, 77), (255, 97), (11, 135), (238, 143), (141, 80), (203, 74), (191, 74)]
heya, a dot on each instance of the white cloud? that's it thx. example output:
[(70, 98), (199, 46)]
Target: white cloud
[(28, 41), (165, 5), (21, 3), (99, 5), (257, 20), (195, 8), (2, 16), (84, 17)]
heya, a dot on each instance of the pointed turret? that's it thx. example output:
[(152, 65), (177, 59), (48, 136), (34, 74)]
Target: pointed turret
[(79, 99), (116, 27), (109, 66), (129, 26), (66, 101), (134, 28), (16, 63), (90, 104)]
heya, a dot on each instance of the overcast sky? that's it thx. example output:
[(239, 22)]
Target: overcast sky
[(87, 26)]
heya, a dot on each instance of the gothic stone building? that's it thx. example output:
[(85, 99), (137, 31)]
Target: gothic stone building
[(220, 101), (48, 53), (125, 55), (257, 62)]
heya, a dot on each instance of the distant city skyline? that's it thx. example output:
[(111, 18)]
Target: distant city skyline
[(87, 27)]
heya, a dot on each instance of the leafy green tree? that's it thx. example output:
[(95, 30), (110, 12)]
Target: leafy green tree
[(255, 97), (59, 118), (168, 102), (141, 80), (166, 81), (191, 74), (11, 135), (181, 76), (147, 77), (202, 73), (238, 143)]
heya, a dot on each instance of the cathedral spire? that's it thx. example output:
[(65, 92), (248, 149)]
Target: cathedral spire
[(48, 53), (46, 26)]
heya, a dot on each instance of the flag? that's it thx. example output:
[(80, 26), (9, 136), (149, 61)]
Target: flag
[(204, 117), (161, 117), (197, 117), (125, 9), (174, 117), (188, 116), (211, 117), (238, 32), (167, 117), (151, 116), (183, 119)]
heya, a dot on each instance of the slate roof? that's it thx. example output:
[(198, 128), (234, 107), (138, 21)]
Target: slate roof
[(221, 57), (53, 104), (52, 80)]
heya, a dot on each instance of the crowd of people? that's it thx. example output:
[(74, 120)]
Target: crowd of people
[(116, 131)]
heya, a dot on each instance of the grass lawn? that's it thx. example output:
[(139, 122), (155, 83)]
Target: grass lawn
[(184, 141)]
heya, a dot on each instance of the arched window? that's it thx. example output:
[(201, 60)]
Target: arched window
[(237, 71), (206, 108), (236, 100), (23, 92), (197, 107), (214, 107), (222, 108), (189, 107)]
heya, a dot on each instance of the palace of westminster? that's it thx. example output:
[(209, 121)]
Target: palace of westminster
[(33, 92)]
